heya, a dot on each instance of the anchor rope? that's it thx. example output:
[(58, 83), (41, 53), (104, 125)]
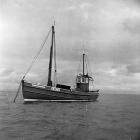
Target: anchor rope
[(17, 91)]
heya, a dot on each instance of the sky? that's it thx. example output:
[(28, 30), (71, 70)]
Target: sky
[(107, 30)]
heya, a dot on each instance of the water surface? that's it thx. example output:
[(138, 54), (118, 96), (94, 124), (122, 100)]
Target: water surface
[(112, 117)]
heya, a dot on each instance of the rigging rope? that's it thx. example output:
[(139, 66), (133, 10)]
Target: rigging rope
[(86, 59), (55, 66), (35, 57), (30, 66), (89, 66), (79, 66)]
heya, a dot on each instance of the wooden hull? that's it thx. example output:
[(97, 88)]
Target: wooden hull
[(36, 92)]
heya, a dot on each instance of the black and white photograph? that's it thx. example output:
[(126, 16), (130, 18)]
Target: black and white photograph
[(69, 69)]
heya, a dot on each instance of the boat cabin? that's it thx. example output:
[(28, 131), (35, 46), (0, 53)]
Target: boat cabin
[(82, 82)]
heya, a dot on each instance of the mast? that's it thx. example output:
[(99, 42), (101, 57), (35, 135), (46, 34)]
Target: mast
[(55, 72), (83, 64), (51, 56)]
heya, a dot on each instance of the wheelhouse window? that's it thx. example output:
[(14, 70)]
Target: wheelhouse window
[(78, 79), (83, 80), (86, 80)]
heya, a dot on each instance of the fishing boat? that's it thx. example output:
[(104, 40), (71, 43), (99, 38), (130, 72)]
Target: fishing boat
[(60, 92)]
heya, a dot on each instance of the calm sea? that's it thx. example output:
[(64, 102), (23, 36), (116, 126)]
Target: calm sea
[(112, 117)]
